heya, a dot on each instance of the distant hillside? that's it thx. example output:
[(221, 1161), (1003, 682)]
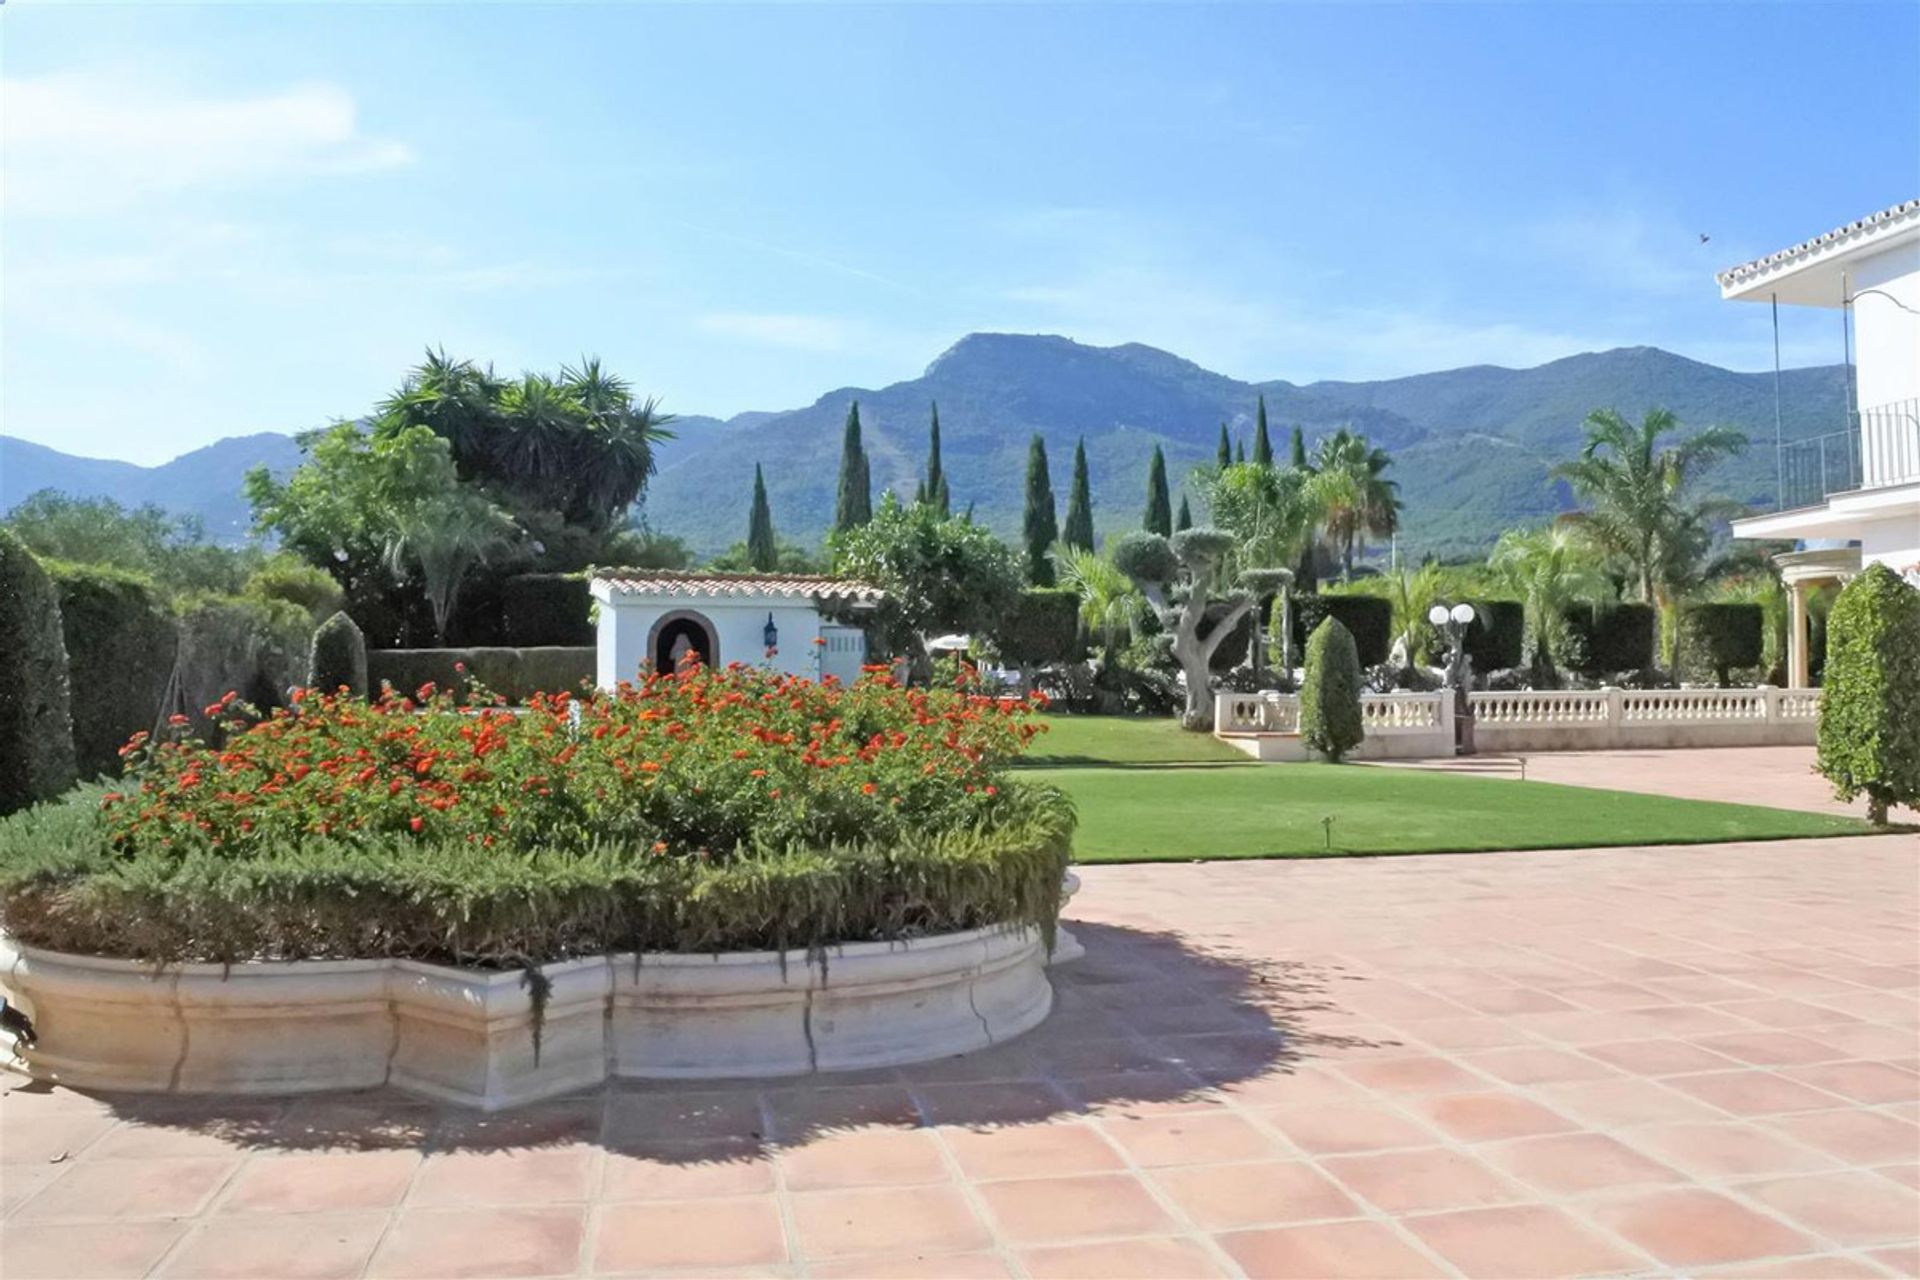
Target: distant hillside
[(1472, 446), (204, 483)]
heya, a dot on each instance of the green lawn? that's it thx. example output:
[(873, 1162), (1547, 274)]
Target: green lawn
[(1075, 740)]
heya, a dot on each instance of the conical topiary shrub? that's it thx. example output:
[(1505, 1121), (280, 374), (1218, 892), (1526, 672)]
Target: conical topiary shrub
[(1870, 709), (36, 724), (1330, 720), (339, 657)]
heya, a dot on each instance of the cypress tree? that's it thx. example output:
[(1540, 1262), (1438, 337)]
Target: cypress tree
[(943, 496), (1159, 501), (1078, 530), (1262, 443), (1223, 456), (936, 485), (854, 504), (1297, 456), (1303, 575), (1239, 450), (762, 551), (1039, 526), (1185, 519)]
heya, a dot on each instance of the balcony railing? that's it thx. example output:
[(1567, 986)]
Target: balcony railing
[(1882, 449)]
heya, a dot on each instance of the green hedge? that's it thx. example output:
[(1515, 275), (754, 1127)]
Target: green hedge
[(1713, 639), (546, 609), (1870, 707), (1496, 638), (1607, 640), (36, 725), (63, 888), (338, 659), (256, 648), (512, 673), (1042, 627), (122, 641), (1368, 619)]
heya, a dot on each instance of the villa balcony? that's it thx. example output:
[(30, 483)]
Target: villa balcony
[(1881, 450)]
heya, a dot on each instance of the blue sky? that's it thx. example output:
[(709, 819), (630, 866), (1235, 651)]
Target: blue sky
[(252, 217)]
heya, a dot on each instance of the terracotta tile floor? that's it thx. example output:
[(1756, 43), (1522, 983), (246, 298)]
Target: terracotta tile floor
[(1688, 1061)]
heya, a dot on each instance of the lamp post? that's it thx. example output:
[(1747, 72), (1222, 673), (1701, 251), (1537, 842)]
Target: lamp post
[(1453, 623)]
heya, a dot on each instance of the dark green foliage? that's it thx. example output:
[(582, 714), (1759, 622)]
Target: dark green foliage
[(1262, 442), (1297, 451), (1159, 517), (1330, 720), (513, 674), (935, 484), (1606, 640), (1235, 644), (1041, 627), (790, 559), (940, 573), (63, 889), (121, 643), (854, 505), (1239, 451), (258, 649), (1870, 709), (1367, 620), (1496, 638), (286, 578), (1184, 520), (1039, 527), (763, 550), (339, 657), (1223, 453), (1078, 530), (1144, 557), (1713, 639), (36, 727), (547, 609)]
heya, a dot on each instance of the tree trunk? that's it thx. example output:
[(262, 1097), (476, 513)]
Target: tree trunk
[(1195, 656)]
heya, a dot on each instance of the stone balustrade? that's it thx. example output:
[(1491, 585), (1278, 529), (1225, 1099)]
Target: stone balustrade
[(1402, 725)]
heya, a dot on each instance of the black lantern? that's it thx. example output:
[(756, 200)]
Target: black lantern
[(771, 634)]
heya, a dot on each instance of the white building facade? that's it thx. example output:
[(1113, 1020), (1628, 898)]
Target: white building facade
[(1849, 497), (650, 619)]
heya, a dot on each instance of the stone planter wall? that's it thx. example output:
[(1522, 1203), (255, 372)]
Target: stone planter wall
[(467, 1037)]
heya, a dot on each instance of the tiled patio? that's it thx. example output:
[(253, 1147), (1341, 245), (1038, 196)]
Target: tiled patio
[(1695, 1061)]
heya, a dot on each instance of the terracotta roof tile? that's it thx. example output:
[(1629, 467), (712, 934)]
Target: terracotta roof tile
[(1872, 222), (792, 586)]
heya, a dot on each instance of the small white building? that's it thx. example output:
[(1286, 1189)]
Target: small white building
[(1849, 497), (650, 618)]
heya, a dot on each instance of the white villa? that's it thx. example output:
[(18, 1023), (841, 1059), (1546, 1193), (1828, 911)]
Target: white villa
[(651, 617), (1851, 497)]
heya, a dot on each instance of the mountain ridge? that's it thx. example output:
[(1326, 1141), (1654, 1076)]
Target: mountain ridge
[(996, 390)]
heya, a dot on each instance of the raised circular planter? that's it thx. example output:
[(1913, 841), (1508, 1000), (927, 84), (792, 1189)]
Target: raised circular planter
[(475, 1038)]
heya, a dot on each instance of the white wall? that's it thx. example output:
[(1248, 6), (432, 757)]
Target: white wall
[(626, 625), (1887, 339)]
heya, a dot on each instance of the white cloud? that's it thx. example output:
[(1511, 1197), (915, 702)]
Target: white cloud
[(93, 141), (797, 332)]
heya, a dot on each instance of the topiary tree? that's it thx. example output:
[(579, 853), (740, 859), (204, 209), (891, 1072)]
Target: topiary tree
[(1330, 720), (1870, 710), (36, 725), (338, 658), (1713, 639), (1041, 628), (1178, 577)]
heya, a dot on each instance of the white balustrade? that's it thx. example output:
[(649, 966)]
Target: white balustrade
[(1540, 707), (1692, 706)]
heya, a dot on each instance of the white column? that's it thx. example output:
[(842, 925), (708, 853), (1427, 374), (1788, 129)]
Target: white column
[(1798, 641)]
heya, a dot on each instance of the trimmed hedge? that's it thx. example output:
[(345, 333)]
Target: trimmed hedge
[(122, 642), (1870, 708), (1606, 640), (36, 725), (338, 659), (1042, 627), (1330, 718), (515, 674), (546, 609), (1496, 638), (1713, 639), (254, 647), (1367, 619)]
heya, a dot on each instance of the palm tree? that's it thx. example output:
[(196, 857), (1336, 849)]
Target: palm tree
[(1270, 511), (1551, 568), (1108, 599), (1635, 493), (446, 536), (1355, 497)]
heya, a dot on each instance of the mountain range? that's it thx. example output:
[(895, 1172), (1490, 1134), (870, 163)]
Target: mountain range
[(1472, 447)]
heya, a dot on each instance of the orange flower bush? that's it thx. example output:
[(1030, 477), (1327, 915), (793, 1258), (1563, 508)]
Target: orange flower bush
[(702, 809)]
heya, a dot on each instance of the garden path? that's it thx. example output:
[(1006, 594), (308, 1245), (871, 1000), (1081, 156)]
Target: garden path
[(1699, 1061)]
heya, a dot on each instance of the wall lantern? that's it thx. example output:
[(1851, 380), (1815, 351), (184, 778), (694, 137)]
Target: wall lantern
[(771, 634)]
